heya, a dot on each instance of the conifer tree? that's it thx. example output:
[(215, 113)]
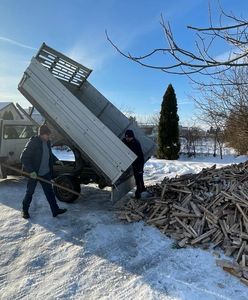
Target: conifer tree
[(168, 129)]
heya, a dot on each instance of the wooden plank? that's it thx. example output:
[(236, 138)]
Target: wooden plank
[(163, 192), (181, 208), (180, 190), (244, 280), (154, 212), (203, 236), (223, 228), (150, 221), (195, 209), (243, 214), (243, 261), (183, 242), (184, 226), (244, 236), (240, 251), (240, 199), (183, 215)]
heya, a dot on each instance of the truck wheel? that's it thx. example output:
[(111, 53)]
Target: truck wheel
[(68, 182), (102, 184)]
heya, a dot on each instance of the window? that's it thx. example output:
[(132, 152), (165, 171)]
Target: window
[(19, 131)]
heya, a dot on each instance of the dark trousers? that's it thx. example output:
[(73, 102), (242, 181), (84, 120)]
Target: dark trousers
[(48, 191), (139, 181)]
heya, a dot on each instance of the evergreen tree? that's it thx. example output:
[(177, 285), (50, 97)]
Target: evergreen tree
[(168, 128)]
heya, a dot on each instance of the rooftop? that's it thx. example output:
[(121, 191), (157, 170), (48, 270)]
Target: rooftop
[(4, 104)]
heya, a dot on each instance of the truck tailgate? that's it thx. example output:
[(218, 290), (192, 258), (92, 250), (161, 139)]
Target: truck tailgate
[(95, 140)]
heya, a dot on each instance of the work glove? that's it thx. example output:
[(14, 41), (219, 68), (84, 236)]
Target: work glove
[(59, 162), (33, 175)]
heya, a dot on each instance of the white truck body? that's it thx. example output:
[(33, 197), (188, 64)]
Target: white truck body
[(99, 144), (58, 88)]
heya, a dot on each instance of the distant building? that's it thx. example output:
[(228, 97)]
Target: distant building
[(150, 130), (185, 131), (8, 110)]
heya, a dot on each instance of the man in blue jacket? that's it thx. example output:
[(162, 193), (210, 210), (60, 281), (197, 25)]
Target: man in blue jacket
[(38, 159), (138, 164)]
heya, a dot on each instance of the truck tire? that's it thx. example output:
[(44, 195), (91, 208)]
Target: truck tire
[(69, 182)]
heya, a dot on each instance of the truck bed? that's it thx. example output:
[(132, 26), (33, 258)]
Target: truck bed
[(58, 88)]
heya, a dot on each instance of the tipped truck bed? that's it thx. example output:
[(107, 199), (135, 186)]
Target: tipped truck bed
[(84, 116)]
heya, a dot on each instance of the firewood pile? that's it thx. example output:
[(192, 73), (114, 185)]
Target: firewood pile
[(209, 209)]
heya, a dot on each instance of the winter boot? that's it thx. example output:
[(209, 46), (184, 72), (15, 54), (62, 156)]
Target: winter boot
[(59, 212), (25, 214)]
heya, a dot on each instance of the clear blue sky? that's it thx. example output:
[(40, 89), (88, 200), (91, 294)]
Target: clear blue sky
[(77, 28)]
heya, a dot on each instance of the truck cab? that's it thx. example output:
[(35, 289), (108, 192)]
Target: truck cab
[(14, 134)]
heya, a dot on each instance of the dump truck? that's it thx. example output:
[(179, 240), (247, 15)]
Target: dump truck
[(58, 87)]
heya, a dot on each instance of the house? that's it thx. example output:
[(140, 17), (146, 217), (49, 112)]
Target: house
[(9, 111)]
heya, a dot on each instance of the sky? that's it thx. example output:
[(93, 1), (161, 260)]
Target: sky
[(77, 29)]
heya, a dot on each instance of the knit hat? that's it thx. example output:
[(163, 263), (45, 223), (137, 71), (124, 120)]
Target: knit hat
[(43, 129), (129, 133)]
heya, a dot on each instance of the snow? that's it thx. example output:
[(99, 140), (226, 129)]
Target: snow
[(88, 253), (64, 155), (156, 169)]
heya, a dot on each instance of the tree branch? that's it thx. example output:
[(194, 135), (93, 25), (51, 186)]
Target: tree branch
[(186, 62)]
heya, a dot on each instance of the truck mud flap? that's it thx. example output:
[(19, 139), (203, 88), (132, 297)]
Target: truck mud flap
[(3, 173), (122, 188)]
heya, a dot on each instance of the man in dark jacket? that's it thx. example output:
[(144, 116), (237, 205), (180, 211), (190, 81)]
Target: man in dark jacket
[(38, 159), (138, 165)]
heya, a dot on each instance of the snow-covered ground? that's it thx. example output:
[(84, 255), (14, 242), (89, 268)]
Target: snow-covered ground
[(88, 253)]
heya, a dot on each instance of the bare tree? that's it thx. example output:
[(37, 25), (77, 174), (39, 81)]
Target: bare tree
[(224, 107), (221, 139), (223, 100), (191, 135), (147, 120), (217, 134), (201, 60), (215, 118)]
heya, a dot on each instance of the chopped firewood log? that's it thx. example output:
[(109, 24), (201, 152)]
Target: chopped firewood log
[(244, 236), (233, 272), (183, 242), (203, 236), (245, 274), (195, 209), (240, 251), (230, 250), (243, 261), (184, 226), (244, 280)]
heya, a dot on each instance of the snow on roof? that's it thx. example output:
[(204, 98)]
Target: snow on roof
[(4, 104)]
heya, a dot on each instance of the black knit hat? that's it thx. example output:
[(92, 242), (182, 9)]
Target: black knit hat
[(129, 133), (43, 129)]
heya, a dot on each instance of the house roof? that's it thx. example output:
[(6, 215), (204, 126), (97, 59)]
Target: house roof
[(4, 104)]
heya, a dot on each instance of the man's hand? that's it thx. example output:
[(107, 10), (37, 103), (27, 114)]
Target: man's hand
[(59, 162), (33, 175)]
